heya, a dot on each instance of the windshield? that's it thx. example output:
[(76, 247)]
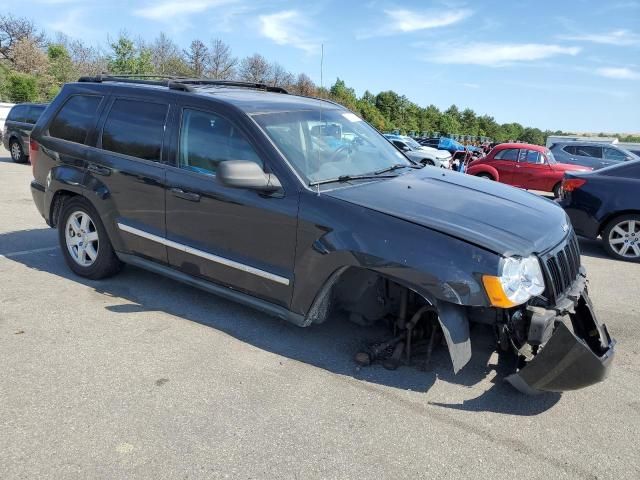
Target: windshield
[(327, 144), (550, 158), (411, 142)]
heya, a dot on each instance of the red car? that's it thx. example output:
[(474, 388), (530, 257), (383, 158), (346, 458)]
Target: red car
[(523, 165)]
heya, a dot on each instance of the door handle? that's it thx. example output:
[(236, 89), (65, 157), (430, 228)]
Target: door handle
[(178, 192), (93, 168)]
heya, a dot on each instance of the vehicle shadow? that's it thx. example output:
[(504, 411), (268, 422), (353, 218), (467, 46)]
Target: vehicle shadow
[(592, 248), (330, 346)]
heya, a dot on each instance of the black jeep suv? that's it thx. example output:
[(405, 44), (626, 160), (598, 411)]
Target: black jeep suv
[(298, 207)]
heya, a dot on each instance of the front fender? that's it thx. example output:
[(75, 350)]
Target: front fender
[(333, 235)]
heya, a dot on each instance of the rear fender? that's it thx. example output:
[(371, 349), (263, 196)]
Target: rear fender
[(61, 180), (476, 169)]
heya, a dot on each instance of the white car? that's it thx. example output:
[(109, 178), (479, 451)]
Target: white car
[(419, 153)]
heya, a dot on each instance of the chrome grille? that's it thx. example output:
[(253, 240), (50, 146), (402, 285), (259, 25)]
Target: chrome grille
[(562, 266)]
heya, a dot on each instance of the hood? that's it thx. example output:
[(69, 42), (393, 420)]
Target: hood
[(497, 217)]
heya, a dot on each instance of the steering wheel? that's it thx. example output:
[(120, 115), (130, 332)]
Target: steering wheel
[(340, 150)]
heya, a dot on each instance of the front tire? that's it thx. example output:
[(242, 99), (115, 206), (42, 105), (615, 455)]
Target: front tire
[(84, 241), (556, 190), (17, 153), (621, 238), (428, 162)]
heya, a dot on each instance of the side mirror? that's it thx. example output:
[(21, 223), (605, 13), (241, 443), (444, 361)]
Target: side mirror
[(246, 174)]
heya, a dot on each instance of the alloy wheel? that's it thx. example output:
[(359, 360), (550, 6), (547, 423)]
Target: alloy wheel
[(81, 237), (624, 239), (16, 152)]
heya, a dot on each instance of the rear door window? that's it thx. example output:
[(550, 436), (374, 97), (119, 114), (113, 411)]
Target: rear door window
[(33, 114), (570, 149), (17, 113), (135, 128), (530, 156), (510, 154), (207, 139), (75, 118), (589, 151)]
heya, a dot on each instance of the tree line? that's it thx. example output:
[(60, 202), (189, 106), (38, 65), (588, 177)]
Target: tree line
[(33, 67)]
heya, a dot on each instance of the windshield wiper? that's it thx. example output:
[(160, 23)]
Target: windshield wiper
[(346, 178), (396, 167)]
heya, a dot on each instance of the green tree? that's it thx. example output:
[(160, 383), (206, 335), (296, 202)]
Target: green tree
[(344, 95), (533, 135), (469, 123), (60, 65), (22, 87), (449, 124), (389, 105), (127, 58), (371, 114)]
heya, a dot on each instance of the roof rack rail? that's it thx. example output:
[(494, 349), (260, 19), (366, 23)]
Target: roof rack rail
[(178, 83)]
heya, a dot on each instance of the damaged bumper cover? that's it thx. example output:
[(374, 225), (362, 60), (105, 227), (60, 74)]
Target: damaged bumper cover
[(569, 360)]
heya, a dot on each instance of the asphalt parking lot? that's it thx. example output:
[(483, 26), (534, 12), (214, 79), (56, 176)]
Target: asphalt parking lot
[(141, 377)]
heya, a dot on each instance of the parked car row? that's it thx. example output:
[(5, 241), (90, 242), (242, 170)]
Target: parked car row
[(422, 154), (600, 204)]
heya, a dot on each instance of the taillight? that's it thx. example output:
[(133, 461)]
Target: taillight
[(33, 155), (571, 184)]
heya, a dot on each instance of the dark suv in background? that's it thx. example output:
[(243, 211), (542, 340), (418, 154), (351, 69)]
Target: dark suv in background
[(298, 207), (17, 129), (591, 154)]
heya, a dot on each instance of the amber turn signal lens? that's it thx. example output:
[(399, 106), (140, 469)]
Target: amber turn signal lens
[(497, 297)]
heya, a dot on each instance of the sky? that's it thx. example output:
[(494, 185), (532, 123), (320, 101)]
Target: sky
[(572, 65)]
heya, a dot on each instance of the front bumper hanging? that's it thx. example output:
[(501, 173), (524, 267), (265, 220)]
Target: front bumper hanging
[(569, 360)]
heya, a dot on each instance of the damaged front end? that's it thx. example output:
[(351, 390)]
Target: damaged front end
[(559, 348)]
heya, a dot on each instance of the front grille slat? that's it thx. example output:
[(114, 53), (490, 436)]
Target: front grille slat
[(562, 266)]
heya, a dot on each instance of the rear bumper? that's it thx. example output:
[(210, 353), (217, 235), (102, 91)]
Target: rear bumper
[(37, 192), (570, 359), (583, 221)]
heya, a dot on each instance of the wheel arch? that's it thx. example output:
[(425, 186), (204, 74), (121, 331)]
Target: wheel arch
[(477, 169), (612, 216), (452, 318), (57, 202)]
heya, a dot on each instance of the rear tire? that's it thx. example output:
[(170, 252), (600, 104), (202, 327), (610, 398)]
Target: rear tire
[(17, 153), (621, 238), (556, 190), (485, 175), (84, 241)]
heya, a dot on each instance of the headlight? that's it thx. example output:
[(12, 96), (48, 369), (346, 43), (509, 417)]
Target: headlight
[(521, 279)]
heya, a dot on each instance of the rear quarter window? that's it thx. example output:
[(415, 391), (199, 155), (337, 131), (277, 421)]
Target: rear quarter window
[(75, 118), (135, 128)]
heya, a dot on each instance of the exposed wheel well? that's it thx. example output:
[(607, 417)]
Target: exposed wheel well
[(365, 295), (60, 197)]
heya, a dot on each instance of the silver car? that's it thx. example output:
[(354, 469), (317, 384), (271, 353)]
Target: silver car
[(591, 154), (419, 153)]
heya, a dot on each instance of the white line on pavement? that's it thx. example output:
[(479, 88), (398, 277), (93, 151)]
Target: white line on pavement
[(28, 252)]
